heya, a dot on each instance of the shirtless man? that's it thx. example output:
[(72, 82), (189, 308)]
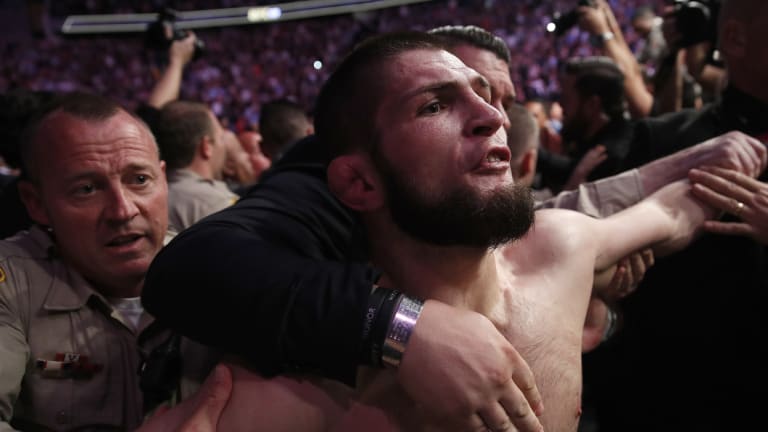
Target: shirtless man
[(422, 156)]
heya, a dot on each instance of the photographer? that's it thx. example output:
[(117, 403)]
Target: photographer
[(598, 19), (172, 50), (180, 53), (690, 29)]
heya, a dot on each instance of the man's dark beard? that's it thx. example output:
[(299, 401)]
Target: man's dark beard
[(461, 217)]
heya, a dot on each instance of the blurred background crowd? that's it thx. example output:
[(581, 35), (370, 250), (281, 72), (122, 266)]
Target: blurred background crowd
[(246, 66)]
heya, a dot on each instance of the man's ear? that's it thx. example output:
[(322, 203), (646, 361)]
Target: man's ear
[(354, 182), (528, 163), (206, 147), (734, 39), (30, 196)]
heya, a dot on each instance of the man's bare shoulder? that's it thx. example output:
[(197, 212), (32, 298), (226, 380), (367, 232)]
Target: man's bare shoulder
[(556, 230)]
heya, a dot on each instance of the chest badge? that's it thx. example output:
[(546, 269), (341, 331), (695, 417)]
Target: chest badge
[(68, 365)]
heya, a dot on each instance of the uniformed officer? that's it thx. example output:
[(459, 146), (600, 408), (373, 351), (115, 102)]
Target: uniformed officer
[(192, 143), (73, 334)]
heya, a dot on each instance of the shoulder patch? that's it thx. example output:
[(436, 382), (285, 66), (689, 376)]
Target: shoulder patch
[(2, 275)]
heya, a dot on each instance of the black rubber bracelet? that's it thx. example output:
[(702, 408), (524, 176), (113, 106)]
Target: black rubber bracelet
[(381, 307)]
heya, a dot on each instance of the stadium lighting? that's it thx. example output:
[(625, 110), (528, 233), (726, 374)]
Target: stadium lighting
[(132, 23)]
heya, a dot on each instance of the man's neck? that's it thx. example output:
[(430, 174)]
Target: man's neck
[(201, 168), (460, 276)]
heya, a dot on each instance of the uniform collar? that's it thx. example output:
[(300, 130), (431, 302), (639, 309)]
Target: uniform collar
[(186, 174), (69, 291)]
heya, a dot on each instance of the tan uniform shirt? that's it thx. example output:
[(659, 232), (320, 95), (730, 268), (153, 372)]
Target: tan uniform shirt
[(601, 198), (68, 359), (191, 198)]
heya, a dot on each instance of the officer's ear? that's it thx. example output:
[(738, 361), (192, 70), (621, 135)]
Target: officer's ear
[(354, 181), (31, 197), (205, 148)]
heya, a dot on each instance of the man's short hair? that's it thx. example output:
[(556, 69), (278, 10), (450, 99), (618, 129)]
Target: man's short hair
[(599, 76), (475, 36), (523, 132), (81, 105), (346, 107), (281, 124), (180, 127)]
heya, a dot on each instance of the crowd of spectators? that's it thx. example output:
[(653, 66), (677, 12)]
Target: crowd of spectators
[(247, 66)]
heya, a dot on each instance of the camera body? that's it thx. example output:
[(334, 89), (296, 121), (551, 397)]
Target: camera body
[(696, 20), (564, 22), (163, 32)]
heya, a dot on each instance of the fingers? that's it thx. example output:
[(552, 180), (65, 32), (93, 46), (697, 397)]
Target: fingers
[(714, 176), (522, 381), (214, 394), (728, 198), (751, 152), (638, 268), (476, 424), (495, 418), (519, 414), (597, 156), (730, 228), (648, 258), (621, 283)]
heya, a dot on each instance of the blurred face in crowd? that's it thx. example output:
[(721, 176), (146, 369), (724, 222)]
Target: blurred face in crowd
[(442, 153), (556, 111), (495, 70), (643, 25), (219, 154), (101, 188), (251, 142), (537, 111)]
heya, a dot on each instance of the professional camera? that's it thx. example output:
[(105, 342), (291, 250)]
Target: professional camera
[(561, 23), (696, 21), (162, 33)]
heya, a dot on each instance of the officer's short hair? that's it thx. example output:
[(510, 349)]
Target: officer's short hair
[(179, 129), (472, 35), (81, 105)]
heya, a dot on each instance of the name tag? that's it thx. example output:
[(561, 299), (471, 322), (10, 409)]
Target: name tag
[(68, 365)]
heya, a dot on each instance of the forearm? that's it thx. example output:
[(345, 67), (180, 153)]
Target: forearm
[(167, 87), (666, 221), (247, 296), (731, 150), (639, 99)]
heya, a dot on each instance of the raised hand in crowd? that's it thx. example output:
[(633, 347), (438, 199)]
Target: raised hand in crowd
[(168, 84), (594, 157)]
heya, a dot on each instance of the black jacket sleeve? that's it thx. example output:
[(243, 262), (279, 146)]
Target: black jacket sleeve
[(280, 278)]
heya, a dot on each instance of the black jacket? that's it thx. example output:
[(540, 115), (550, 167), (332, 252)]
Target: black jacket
[(279, 278)]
